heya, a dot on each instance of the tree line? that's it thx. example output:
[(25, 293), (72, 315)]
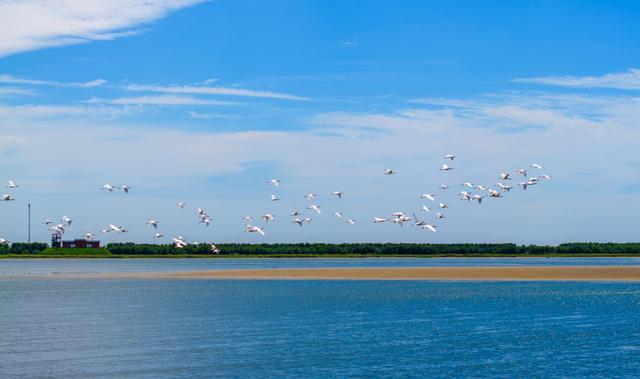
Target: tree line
[(374, 249)]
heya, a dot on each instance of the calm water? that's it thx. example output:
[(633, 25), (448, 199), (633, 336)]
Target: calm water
[(49, 267), (226, 328)]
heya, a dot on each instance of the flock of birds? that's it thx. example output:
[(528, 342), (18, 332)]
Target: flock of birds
[(400, 218)]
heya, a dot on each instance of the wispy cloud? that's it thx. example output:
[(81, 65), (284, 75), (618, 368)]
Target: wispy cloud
[(349, 43), (160, 100), (8, 79), (35, 112), (202, 116), (92, 83), (207, 90), (34, 24), (13, 91), (628, 80)]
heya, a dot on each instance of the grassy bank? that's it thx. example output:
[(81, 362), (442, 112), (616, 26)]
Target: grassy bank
[(108, 255), (54, 252), (319, 250)]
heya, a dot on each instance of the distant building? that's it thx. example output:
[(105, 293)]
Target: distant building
[(56, 241), (81, 244)]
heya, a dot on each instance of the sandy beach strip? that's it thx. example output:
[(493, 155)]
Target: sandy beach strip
[(500, 273)]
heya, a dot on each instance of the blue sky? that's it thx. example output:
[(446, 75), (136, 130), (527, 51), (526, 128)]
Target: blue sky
[(203, 102)]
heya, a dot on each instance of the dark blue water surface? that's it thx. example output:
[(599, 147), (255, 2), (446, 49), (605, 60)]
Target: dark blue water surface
[(52, 267), (227, 328)]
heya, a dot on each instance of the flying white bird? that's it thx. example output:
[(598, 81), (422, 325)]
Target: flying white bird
[(310, 196), (7, 198), (350, 221), (214, 249), (338, 194), (247, 219), (467, 184), (3, 241), (439, 215), (544, 177), (315, 208), (430, 227), (296, 213), (536, 165), (88, 236), (268, 217), (181, 205), (464, 195), (158, 235), (398, 221), (389, 171), (428, 196), (379, 220), (338, 214), (153, 223), (478, 198), (274, 197), (274, 182), (118, 229), (417, 221), (126, 188), (449, 156), (522, 172), (57, 230), (505, 176), (298, 221), (205, 220), (253, 229), (108, 187), (445, 167), (504, 187), (12, 185), (200, 211), (47, 222), (444, 186), (425, 208), (442, 205), (66, 220), (179, 241)]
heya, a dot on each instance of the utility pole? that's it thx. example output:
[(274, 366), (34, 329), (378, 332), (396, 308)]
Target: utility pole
[(29, 228)]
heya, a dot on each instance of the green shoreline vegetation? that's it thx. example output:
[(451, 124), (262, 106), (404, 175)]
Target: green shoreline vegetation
[(321, 250)]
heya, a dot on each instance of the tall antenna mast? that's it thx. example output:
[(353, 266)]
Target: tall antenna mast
[(29, 228)]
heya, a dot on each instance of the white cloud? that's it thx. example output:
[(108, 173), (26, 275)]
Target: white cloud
[(92, 83), (8, 79), (160, 100), (628, 80), (44, 112), (34, 24), (349, 43), (205, 90), (12, 91)]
